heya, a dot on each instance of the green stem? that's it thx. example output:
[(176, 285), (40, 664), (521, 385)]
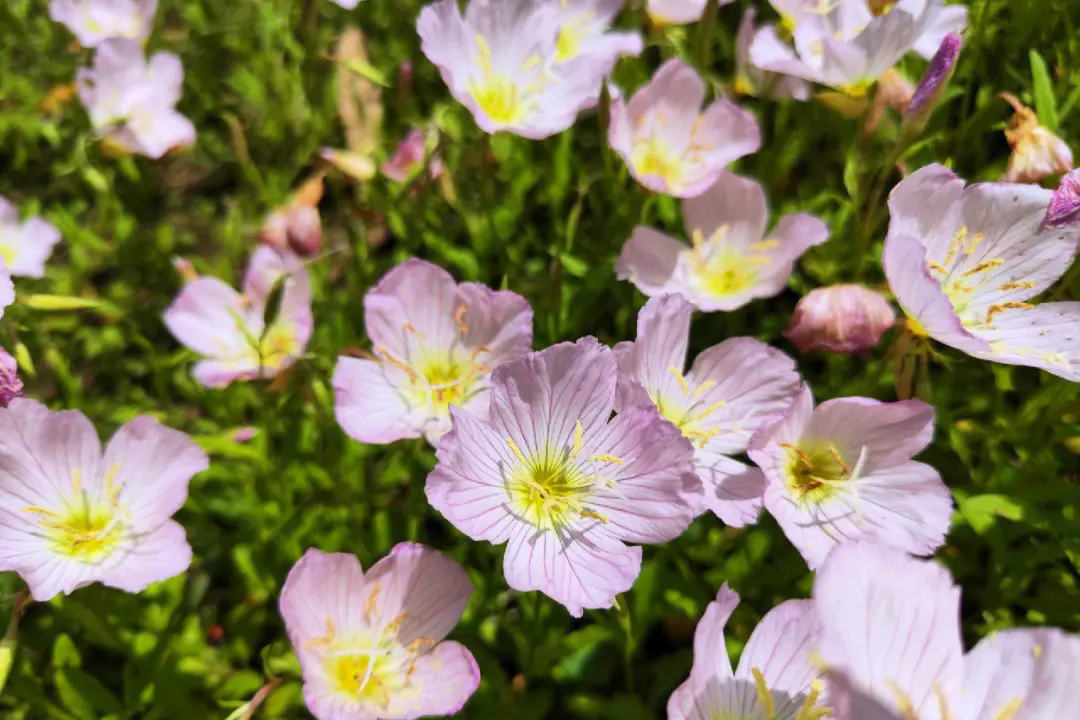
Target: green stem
[(705, 34), (10, 640), (630, 647)]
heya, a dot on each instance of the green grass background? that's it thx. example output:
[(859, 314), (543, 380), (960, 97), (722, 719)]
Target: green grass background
[(543, 218)]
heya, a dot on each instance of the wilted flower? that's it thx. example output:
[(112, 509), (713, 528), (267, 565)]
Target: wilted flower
[(732, 261), (1065, 202), (10, 385), (25, 247), (94, 21), (230, 330), (434, 344), (844, 46), (371, 644), (584, 30), (934, 80), (964, 263), (890, 636), (777, 675), (565, 487), (669, 144), (1036, 152), (501, 60), (409, 157), (749, 80), (72, 516), (132, 102), (843, 471), (732, 390), (840, 318)]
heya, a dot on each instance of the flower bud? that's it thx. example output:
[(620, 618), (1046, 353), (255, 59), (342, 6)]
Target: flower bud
[(11, 386), (1064, 205), (934, 80), (1036, 152), (840, 318)]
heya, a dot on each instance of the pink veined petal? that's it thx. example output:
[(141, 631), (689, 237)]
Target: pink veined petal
[(370, 404), (7, 291), (446, 677), (427, 587), (443, 37), (648, 260), (220, 373), (1046, 336), (157, 555), (166, 72), (879, 46), (578, 569), (733, 491), (769, 53), (210, 317), (676, 12), (468, 486), (891, 624), (925, 206), (656, 494), (320, 587), (151, 465), (782, 648), (501, 321), (724, 133), (948, 19), (1030, 672), (795, 234), (48, 574), (733, 202), (849, 702), (658, 356), (700, 697), (788, 428), (413, 304), (676, 92), (890, 432)]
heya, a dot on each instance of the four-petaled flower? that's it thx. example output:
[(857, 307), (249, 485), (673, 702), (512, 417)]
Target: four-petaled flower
[(229, 329), (965, 262), (731, 261), (732, 390), (371, 643), (843, 471), (70, 516), (434, 345), (563, 484)]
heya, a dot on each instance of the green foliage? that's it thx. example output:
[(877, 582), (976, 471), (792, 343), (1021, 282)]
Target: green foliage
[(544, 218)]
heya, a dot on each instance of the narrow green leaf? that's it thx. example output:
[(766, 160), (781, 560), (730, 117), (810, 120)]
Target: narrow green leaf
[(1043, 89)]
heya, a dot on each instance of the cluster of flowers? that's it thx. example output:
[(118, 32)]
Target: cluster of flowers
[(131, 99), (575, 455)]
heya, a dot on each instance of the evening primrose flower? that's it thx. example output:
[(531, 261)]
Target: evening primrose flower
[(371, 643), (731, 260), (71, 516), (560, 483), (585, 31), (669, 144), (132, 102), (843, 472), (750, 80), (434, 345), (1036, 152), (777, 677), (843, 45), (229, 329), (501, 61), (24, 247), (718, 405), (965, 262), (95, 21), (840, 318), (891, 639)]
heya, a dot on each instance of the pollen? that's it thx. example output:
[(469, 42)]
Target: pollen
[(1002, 307), (459, 319)]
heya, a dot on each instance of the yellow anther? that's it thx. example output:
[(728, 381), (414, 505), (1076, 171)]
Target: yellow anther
[(394, 625), (698, 238), (763, 694), (955, 245), (331, 634), (388, 357), (713, 408), (766, 244), (459, 316), (533, 62), (420, 644), (1036, 649), (1002, 307), (409, 327), (516, 450), (903, 702), (809, 710), (975, 240), (984, 266), (683, 385), (373, 597), (579, 439), (484, 50), (839, 458), (594, 515), (603, 457), (1026, 284), (1009, 710), (112, 490), (935, 267), (799, 453), (703, 387)]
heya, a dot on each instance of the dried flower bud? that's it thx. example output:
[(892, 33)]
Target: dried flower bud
[(1036, 152), (934, 80), (840, 318), (1064, 205), (11, 386)]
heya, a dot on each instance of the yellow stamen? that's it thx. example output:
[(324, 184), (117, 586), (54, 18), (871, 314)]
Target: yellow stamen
[(593, 515), (984, 266), (516, 450), (681, 380), (763, 694), (459, 315), (76, 480), (579, 439), (1008, 712), (602, 457), (373, 597), (1002, 307), (1023, 285)]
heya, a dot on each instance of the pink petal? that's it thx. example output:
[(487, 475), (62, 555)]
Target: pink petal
[(369, 402), (733, 202), (648, 259), (158, 555), (783, 648), (891, 433), (1030, 672), (447, 677)]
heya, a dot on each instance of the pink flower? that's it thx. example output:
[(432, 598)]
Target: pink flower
[(717, 406), (24, 247), (749, 80), (560, 483), (95, 21), (434, 345), (229, 330), (132, 102), (294, 227), (669, 144), (371, 644), (11, 386), (777, 676), (844, 472), (525, 67), (678, 12), (732, 261), (964, 262), (890, 635), (409, 158), (70, 516), (840, 318), (845, 46)]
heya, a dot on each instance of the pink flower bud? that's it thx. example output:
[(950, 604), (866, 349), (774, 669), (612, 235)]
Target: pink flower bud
[(11, 386), (1064, 205), (275, 231), (305, 230), (840, 318), (935, 79)]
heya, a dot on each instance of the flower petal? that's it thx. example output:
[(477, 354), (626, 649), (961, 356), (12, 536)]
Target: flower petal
[(369, 402), (648, 260)]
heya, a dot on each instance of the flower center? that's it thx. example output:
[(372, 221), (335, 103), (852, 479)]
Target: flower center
[(691, 414), (572, 36), (653, 156), (814, 471), (90, 528), (723, 269), (278, 346), (495, 94)]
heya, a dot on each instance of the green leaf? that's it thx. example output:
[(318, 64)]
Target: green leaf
[(85, 695), (982, 511), (1043, 89)]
